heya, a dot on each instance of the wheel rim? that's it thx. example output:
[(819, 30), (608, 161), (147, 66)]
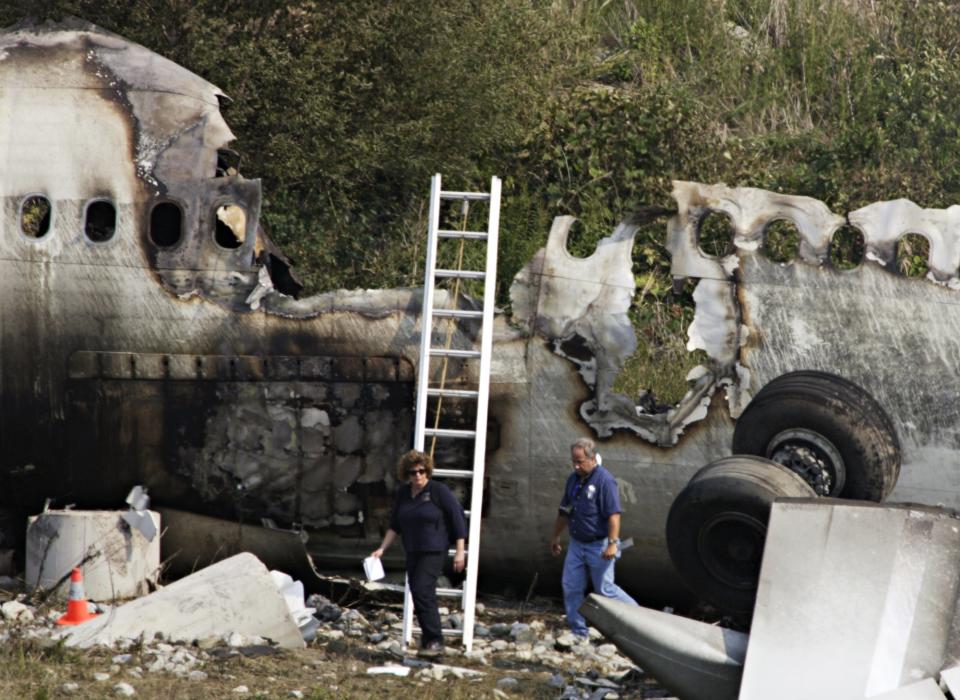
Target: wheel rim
[(730, 546), (812, 456)]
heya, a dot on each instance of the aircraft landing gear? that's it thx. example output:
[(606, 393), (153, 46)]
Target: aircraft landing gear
[(828, 430), (718, 523), (805, 434)]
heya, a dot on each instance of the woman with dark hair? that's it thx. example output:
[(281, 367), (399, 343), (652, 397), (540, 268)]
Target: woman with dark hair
[(428, 518)]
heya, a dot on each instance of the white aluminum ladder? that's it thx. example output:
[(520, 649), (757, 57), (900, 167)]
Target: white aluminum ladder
[(426, 390)]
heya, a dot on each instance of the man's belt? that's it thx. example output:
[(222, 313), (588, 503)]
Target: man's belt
[(624, 544), (590, 540)]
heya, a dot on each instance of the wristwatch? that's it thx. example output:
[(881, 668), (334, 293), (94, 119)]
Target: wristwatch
[(615, 541)]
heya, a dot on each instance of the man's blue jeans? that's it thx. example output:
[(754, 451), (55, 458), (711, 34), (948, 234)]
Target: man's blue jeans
[(585, 562)]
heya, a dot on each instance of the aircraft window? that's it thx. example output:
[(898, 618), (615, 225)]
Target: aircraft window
[(101, 221), (166, 224), (781, 240), (847, 248), (35, 216), (913, 252), (231, 226), (715, 233)]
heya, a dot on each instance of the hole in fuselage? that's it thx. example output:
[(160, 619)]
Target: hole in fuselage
[(101, 221), (166, 224), (35, 216)]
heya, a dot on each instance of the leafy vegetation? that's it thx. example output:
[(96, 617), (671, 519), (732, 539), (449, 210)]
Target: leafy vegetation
[(585, 107)]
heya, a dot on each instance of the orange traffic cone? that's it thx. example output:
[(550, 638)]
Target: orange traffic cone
[(77, 610)]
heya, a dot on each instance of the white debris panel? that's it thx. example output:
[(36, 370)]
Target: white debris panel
[(236, 595), (865, 594)]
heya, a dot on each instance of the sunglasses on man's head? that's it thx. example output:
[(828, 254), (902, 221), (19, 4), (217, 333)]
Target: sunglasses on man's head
[(415, 472)]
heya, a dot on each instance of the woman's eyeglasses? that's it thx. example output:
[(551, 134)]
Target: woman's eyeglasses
[(416, 472)]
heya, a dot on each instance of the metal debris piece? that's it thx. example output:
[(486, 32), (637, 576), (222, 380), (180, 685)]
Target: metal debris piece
[(951, 678), (138, 498), (863, 593), (695, 660), (292, 592), (927, 689), (138, 516), (190, 540), (389, 670)]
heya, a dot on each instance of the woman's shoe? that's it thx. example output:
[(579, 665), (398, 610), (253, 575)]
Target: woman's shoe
[(431, 649)]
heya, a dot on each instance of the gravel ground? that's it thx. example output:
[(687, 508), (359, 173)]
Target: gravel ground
[(519, 652)]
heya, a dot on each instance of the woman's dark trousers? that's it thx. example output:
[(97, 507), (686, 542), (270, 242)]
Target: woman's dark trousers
[(423, 568)]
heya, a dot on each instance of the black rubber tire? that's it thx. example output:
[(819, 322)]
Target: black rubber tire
[(840, 411), (718, 523)]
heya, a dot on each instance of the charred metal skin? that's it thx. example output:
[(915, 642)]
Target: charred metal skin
[(167, 353)]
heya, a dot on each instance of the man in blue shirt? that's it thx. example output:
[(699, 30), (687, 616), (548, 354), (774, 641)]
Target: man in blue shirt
[(591, 509)]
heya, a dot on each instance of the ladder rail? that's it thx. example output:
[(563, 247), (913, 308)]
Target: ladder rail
[(483, 400), (426, 322)]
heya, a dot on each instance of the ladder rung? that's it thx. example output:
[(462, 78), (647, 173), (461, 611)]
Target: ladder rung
[(454, 393), (457, 313), (449, 592), (469, 235), (454, 473), (462, 274), (444, 352), (449, 433), (471, 196)]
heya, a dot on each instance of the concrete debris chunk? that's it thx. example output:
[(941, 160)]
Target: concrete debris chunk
[(237, 595), (115, 563), (459, 671), (16, 611)]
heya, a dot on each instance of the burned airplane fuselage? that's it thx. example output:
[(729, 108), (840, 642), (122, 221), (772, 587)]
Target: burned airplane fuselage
[(143, 340)]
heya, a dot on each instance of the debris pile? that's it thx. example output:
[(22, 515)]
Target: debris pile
[(509, 654)]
